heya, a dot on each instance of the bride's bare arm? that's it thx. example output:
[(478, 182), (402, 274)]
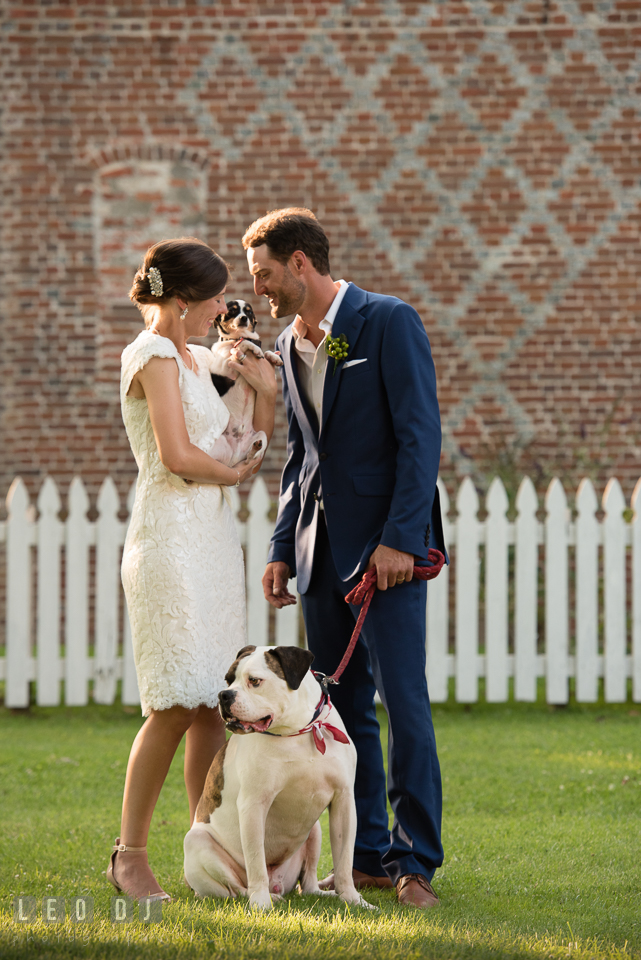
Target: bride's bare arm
[(260, 375), (159, 381)]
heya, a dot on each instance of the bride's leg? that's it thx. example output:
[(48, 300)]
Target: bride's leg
[(149, 761), (204, 739)]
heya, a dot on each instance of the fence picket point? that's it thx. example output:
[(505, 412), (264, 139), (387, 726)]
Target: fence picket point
[(437, 665), (556, 593), (587, 593), (18, 639), (77, 596), (467, 593), (107, 587), (526, 564), (496, 588), (49, 542), (614, 557)]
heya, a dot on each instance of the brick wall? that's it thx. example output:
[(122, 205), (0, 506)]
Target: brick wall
[(480, 160)]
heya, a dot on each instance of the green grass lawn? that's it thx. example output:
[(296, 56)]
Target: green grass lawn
[(542, 833)]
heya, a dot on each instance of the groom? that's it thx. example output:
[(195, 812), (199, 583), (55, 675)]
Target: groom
[(359, 491)]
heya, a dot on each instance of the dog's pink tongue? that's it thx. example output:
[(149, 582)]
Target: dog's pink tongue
[(260, 725)]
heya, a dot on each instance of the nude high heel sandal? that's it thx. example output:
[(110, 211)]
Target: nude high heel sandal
[(141, 883)]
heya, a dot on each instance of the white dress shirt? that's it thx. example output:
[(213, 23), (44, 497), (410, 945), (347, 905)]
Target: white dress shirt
[(312, 360)]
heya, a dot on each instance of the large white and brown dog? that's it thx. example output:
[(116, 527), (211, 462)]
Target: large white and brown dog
[(256, 829), (237, 336)]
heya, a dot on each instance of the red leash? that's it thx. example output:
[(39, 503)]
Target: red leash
[(363, 593)]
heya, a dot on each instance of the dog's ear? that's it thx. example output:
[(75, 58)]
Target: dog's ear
[(290, 664), (230, 676), (244, 652)]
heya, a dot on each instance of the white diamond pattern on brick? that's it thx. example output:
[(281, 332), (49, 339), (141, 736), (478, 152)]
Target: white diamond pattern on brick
[(484, 194)]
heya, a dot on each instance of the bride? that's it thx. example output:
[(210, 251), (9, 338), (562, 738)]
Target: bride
[(182, 567)]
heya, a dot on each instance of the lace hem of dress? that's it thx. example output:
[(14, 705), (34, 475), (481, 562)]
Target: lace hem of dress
[(164, 703)]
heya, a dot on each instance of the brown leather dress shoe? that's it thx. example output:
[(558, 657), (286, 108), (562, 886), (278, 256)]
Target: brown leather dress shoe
[(360, 880), (415, 890)]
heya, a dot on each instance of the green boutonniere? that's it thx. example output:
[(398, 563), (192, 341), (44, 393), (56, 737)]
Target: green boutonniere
[(338, 348)]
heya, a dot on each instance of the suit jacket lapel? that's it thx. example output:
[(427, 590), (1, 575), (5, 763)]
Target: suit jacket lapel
[(306, 419), (350, 322)]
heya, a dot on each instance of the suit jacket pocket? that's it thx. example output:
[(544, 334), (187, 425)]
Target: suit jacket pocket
[(354, 369), (375, 485)]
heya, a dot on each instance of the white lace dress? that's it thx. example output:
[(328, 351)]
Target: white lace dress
[(182, 565)]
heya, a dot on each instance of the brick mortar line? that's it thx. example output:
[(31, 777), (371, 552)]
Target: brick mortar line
[(140, 27)]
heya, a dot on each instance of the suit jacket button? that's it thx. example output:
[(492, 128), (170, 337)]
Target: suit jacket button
[(322, 456)]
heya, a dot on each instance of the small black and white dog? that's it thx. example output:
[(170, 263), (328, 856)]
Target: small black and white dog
[(237, 334)]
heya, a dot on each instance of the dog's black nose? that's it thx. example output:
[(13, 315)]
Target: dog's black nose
[(226, 697)]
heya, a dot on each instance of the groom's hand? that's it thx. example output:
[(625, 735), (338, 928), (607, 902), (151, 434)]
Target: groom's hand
[(275, 589), (392, 566)]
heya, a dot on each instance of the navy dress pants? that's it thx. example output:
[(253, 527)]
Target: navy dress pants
[(389, 657)]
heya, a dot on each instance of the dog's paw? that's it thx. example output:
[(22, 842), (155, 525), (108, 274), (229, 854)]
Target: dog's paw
[(258, 448), (355, 900), (261, 901), (366, 905), (273, 358), (254, 454), (248, 347)]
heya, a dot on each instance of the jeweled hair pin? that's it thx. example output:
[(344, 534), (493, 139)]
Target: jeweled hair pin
[(155, 282)]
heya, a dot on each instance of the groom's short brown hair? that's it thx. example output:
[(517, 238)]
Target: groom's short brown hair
[(289, 229)]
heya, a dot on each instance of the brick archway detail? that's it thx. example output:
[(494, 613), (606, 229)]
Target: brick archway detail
[(97, 157)]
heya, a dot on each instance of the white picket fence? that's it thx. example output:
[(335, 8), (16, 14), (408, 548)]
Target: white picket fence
[(50, 648)]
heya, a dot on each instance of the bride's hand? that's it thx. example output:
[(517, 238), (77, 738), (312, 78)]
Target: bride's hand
[(250, 465)]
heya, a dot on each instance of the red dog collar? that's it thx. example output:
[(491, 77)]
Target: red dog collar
[(316, 726)]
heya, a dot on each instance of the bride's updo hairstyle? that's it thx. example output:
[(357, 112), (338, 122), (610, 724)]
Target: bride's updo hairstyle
[(185, 268)]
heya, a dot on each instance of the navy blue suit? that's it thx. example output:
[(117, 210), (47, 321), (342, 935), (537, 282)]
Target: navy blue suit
[(373, 460)]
